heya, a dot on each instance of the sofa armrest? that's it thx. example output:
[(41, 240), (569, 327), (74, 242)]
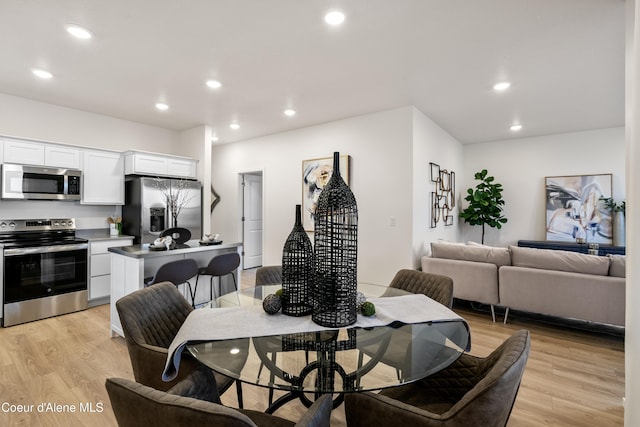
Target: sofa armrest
[(472, 281)]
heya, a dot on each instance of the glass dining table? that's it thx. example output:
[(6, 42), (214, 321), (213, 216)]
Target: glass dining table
[(352, 359)]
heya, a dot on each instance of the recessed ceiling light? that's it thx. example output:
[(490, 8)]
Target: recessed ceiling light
[(214, 84), (214, 138), (334, 18), (234, 126), (501, 86), (162, 106), (78, 31), (43, 74), (516, 127), (234, 351), (290, 112)]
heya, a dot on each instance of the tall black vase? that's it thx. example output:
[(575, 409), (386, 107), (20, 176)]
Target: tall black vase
[(335, 253), (297, 268)]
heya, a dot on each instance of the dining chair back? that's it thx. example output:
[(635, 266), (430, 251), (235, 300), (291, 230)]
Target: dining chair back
[(472, 391), (220, 266), (177, 272), (435, 286), (191, 402), (151, 318), (268, 275)]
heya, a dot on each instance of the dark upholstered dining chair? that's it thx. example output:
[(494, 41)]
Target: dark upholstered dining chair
[(269, 275), (435, 286), (192, 402), (438, 288), (151, 318), (473, 391)]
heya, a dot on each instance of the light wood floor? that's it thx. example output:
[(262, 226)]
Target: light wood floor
[(573, 378)]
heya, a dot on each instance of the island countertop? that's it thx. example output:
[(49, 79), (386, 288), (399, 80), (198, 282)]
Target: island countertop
[(132, 265), (143, 251)]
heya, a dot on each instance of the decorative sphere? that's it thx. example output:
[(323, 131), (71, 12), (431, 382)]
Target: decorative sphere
[(272, 304), (368, 309), (360, 299)]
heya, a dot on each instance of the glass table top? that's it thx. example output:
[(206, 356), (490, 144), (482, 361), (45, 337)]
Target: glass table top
[(334, 361)]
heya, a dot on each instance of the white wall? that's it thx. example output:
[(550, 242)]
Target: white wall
[(46, 122), (24, 118), (380, 146), (521, 166), (432, 144)]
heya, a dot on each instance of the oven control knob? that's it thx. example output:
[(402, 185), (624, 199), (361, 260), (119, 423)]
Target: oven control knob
[(3, 225), (12, 224), (69, 223), (55, 223)]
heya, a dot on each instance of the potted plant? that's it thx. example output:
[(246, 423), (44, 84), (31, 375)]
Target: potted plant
[(617, 219), (485, 203)]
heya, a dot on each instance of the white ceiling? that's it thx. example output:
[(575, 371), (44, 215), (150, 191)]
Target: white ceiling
[(565, 59)]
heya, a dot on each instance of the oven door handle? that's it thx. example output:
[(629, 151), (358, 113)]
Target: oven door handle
[(45, 249)]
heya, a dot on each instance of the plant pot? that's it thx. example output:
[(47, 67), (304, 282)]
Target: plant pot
[(619, 229)]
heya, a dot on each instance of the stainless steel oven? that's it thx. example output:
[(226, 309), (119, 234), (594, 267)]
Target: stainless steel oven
[(44, 269)]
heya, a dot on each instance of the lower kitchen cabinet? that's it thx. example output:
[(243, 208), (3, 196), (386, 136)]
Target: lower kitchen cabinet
[(100, 268)]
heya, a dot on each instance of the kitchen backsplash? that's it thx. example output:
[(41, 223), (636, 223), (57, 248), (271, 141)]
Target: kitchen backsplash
[(87, 216)]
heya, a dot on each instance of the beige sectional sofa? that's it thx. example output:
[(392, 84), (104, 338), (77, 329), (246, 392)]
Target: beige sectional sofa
[(557, 283)]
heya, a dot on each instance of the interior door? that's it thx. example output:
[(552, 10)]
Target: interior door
[(252, 220)]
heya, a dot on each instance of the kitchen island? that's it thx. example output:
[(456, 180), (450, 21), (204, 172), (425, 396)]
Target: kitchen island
[(131, 264)]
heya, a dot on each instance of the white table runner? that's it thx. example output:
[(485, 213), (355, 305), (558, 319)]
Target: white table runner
[(211, 324)]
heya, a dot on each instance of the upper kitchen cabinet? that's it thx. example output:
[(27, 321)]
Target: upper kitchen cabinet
[(102, 178), (40, 154), (152, 164)]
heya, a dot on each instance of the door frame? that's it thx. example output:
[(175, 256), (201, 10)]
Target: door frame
[(240, 210)]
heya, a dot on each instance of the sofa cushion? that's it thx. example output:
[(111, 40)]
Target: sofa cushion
[(548, 259), (617, 265), (497, 256)]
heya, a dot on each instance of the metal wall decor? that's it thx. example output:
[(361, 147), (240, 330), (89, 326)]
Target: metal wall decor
[(335, 253), (443, 198), (297, 269)]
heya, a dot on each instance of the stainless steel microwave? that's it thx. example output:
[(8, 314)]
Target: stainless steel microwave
[(21, 182)]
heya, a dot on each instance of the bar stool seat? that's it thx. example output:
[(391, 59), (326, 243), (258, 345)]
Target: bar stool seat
[(220, 266), (176, 272)]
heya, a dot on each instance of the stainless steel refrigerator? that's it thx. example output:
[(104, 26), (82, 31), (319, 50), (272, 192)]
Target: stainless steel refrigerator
[(147, 210)]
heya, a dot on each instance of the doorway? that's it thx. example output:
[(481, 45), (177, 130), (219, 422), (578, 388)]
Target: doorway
[(251, 219)]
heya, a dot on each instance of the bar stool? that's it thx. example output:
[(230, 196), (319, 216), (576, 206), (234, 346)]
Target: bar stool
[(177, 272), (220, 266)]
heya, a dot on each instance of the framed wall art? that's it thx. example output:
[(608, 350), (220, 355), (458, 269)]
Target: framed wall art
[(443, 198), (574, 211), (315, 175)]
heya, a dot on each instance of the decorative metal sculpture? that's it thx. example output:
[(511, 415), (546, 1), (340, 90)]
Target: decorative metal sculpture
[(335, 253), (443, 199), (297, 269)]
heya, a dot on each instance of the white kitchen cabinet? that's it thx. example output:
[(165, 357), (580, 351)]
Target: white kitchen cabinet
[(102, 178), (40, 154), (141, 163), (23, 152), (100, 266), (60, 156), (182, 167)]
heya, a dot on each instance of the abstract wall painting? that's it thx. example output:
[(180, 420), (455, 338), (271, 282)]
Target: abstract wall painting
[(574, 211), (315, 175)]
